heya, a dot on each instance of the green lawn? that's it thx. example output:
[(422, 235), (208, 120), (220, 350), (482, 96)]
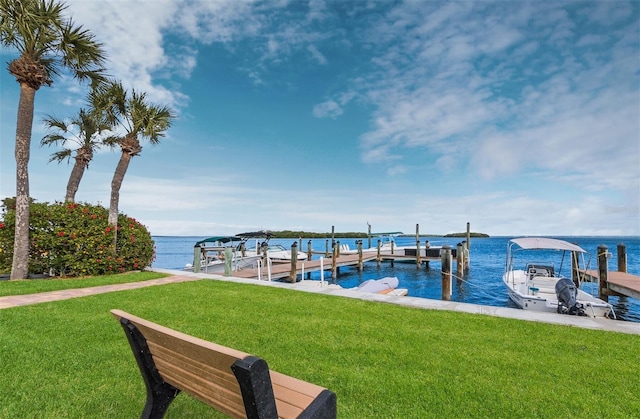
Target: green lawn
[(71, 358)]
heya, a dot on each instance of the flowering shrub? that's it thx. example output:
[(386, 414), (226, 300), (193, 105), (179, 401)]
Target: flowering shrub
[(73, 239)]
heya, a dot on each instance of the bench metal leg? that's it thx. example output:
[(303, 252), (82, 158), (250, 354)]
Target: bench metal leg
[(160, 394)]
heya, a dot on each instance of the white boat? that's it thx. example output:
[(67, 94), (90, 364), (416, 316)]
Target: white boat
[(255, 242), (218, 254), (540, 286), (389, 246)]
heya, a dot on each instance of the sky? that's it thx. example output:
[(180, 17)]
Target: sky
[(520, 118)]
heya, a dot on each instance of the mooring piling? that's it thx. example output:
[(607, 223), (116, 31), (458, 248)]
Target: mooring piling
[(446, 272)]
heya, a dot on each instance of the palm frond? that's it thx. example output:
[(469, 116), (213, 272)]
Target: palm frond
[(61, 155), (39, 31)]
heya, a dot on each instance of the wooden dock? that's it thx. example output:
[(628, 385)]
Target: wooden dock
[(283, 270), (621, 283)]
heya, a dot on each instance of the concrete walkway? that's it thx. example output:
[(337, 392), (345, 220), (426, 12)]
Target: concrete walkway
[(45, 297), (315, 287)]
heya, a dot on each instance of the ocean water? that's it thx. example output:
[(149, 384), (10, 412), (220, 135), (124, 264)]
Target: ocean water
[(481, 284)]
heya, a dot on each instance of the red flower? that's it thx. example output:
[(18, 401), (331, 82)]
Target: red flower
[(108, 229), (1, 225), (73, 235), (60, 233)]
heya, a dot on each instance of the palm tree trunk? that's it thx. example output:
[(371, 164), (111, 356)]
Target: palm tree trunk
[(74, 180), (20, 265), (116, 183)]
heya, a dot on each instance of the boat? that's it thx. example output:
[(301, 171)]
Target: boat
[(219, 254), (541, 286), (255, 243), (388, 246), (387, 285)]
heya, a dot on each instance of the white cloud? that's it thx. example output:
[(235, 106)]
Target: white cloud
[(328, 109), (317, 55)]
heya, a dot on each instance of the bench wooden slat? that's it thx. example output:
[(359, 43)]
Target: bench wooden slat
[(203, 370)]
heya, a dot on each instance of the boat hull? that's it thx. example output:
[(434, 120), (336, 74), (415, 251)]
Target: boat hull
[(538, 294)]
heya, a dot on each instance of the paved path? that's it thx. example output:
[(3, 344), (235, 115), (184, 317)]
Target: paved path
[(315, 287), (44, 297)]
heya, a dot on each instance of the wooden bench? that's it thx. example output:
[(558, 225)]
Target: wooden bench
[(238, 384)]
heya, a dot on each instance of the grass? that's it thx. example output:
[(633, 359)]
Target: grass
[(33, 286), (71, 358)]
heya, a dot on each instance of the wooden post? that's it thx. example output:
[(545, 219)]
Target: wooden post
[(379, 257), (294, 262), (360, 264), (300, 243), (445, 256), (369, 235), (392, 250), (603, 270), (466, 255), (427, 245), (197, 255), (460, 259), (468, 236), (228, 258), (418, 260), (334, 266), (622, 257), (326, 248), (575, 268), (337, 254), (333, 236), (309, 256)]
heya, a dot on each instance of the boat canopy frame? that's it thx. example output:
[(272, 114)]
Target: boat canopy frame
[(541, 243), (218, 239)]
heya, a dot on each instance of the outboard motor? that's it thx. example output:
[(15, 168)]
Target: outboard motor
[(567, 294)]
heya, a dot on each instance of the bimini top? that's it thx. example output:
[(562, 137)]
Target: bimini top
[(219, 239), (262, 234), (528, 243)]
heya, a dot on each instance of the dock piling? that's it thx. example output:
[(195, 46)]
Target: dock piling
[(622, 257), (446, 272), (334, 263), (360, 263), (603, 270), (197, 252), (294, 262)]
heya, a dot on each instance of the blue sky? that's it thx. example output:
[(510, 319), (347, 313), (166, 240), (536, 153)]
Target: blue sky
[(520, 118)]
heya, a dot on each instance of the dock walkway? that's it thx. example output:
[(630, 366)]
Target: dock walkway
[(283, 270), (620, 282)]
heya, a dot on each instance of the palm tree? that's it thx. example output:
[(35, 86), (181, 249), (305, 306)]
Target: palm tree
[(46, 43), (136, 117), (84, 131)]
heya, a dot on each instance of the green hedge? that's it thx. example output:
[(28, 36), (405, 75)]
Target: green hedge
[(73, 239)]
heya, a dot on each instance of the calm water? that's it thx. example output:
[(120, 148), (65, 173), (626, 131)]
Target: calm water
[(481, 285)]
